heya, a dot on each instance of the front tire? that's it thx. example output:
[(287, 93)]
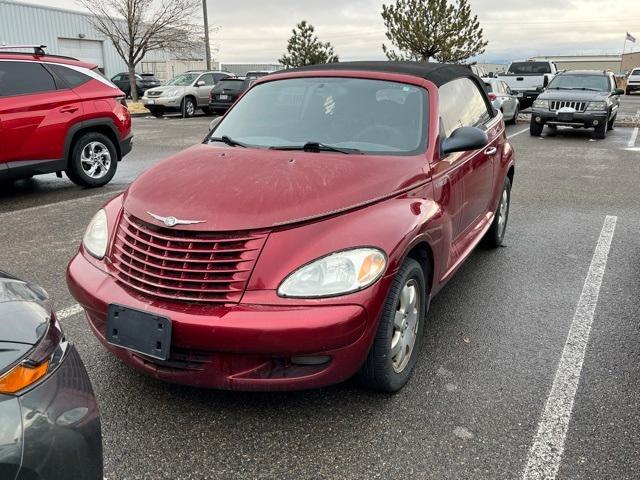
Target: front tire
[(93, 160), (397, 344), (535, 129), (188, 107), (494, 237)]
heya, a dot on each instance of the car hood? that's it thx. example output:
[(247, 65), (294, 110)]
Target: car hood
[(24, 316), (573, 95), (242, 189)]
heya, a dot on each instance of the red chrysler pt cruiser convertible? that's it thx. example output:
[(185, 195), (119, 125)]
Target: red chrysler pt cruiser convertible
[(301, 243)]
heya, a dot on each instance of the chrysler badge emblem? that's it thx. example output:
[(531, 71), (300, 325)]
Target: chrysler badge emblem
[(173, 221)]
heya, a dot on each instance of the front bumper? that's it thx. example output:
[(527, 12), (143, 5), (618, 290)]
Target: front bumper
[(240, 346), (581, 119), (54, 428), (166, 103)]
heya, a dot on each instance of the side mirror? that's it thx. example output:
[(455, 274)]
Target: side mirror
[(464, 139), (214, 123), (618, 91), (539, 89), (200, 83)]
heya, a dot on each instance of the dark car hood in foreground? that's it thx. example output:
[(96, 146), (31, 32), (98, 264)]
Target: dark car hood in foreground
[(241, 189), (574, 95), (24, 316)]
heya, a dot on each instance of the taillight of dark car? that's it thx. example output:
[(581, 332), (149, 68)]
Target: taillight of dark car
[(44, 357)]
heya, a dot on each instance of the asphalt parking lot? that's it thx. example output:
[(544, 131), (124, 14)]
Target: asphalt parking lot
[(494, 340)]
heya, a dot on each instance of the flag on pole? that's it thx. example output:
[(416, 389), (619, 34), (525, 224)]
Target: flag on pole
[(631, 38)]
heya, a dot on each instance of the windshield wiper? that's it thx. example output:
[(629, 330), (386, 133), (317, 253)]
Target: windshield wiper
[(586, 88), (228, 140), (317, 147)]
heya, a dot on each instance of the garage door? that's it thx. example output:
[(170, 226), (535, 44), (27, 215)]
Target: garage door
[(85, 50)]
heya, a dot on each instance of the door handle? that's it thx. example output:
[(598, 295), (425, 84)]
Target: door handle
[(68, 109), (491, 151)]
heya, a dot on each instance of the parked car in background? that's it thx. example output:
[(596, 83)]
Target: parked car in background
[(527, 79), (144, 81), (59, 114), (633, 81), (226, 92), (184, 93), (502, 99), (49, 420), (579, 99), (301, 243)]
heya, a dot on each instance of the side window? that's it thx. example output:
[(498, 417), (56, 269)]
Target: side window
[(208, 80), (69, 75), (23, 78), (462, 105), (116, 78)]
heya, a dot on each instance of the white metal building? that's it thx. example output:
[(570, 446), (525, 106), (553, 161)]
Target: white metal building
[(70, 33)]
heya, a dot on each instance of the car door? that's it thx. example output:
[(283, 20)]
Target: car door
[(463, 105), (510, 101), (203, 86), (35, 113), (615, 99)]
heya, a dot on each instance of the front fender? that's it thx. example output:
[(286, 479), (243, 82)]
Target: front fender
[(394, 226)]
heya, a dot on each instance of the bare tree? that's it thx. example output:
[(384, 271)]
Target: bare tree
[(136, 27)]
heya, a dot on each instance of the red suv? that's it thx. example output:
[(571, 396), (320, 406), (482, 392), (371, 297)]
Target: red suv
[(59, 114), (302, 242)]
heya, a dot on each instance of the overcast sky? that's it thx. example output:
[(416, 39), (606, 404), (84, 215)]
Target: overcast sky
[(257, 30)]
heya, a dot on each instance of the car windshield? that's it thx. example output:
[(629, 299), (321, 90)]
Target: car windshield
[(183, 80), (524, 68), (636, 72), (370, 116), (598, 83)]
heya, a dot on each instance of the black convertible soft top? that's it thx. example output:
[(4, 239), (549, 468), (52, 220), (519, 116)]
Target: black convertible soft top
[(438, 73)]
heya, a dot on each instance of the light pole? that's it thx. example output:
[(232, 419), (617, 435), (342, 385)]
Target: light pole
[(207, 47)]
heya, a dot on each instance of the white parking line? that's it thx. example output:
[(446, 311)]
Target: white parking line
[(69, 312), (632, 140), (517, 133), (55, 204), (548, 446)]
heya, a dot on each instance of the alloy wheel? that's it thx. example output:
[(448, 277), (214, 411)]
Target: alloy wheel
[(405, 325), (95, 160), (502, 212)]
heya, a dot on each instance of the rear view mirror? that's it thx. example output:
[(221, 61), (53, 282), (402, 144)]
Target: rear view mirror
[(464, 139)]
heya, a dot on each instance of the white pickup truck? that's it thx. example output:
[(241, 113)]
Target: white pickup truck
[(528, 79)]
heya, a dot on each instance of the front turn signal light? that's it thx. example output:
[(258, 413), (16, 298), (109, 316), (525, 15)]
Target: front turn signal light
[(21, 376)]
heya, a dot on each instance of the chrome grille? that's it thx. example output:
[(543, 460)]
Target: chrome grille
[(183, 265), (558, 104)]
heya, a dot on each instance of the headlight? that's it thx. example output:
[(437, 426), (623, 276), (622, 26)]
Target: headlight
[(541, 104), (336, 274), (597, 106), (97, 235), (45, 356)]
